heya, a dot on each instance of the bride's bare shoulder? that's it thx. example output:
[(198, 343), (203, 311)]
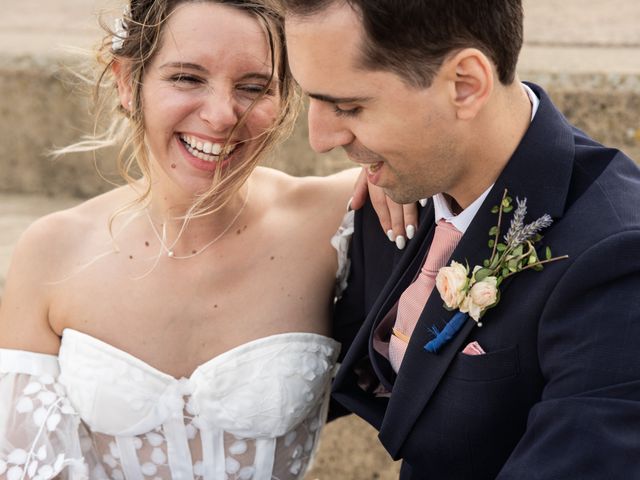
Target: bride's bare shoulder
[(306, 193), (46, 251), (60, 233), (309, 209)]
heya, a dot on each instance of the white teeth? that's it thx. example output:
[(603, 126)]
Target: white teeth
[(202, 156), (206, 151)]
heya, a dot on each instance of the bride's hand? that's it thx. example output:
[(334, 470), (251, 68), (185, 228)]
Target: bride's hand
[(399, 222)]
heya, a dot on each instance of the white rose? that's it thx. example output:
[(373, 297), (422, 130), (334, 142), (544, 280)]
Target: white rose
[(452, 282), (481, 296)]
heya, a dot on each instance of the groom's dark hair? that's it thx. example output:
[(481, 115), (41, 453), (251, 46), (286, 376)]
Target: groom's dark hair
[(412, 38)]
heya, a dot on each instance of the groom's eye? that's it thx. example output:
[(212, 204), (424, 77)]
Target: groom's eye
[(346, 112)]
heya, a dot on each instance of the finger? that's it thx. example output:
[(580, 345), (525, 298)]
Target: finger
[(410, 212), (379, 202), (397, 223), (360, 191)]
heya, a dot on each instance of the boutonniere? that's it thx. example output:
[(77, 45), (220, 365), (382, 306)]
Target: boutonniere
[(474, 291)]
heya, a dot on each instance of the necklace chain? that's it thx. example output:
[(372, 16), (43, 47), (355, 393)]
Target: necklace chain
[(170, 249)]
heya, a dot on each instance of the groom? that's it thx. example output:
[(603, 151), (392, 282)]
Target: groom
[(424, 95)]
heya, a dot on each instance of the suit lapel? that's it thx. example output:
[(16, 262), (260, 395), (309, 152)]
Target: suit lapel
[(540, 170)]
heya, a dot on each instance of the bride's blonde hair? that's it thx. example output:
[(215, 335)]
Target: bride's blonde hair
[(135, 43)]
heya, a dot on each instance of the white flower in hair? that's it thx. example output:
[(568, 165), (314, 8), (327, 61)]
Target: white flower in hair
[(120, 31)]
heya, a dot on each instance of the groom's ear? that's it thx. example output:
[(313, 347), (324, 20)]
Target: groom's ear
[(471, 75)]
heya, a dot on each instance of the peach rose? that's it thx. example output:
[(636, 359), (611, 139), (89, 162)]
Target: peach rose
[(452, 283), (481, 296)]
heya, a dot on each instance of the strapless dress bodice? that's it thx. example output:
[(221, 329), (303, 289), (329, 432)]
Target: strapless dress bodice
[(253, 412)]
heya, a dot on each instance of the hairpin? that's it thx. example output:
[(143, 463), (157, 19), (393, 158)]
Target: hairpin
[(120, 32)]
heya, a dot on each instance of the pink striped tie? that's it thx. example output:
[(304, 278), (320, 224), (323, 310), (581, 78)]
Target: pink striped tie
[(414, 298)]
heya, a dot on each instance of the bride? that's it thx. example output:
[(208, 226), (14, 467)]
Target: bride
[(177, 326)]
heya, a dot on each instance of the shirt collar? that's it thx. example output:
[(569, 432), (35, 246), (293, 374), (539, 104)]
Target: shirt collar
[(462, 220)]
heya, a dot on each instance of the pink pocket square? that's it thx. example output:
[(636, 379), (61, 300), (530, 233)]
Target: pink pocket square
[(473, 348)]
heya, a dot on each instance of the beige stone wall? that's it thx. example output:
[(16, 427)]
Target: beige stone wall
[(40, 108)]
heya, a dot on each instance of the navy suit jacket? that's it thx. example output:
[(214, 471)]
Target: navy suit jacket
[(557, 395)]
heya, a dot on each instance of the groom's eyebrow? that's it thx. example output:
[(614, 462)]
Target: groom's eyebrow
[(337, 100)]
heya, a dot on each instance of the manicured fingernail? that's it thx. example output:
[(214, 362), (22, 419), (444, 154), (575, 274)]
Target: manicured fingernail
[(423, 202), (400, 242), (349, 204), (390, 235), (411, 231)]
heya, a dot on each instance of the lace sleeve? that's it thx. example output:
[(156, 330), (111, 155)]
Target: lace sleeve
[(39, 430), (340, 242)]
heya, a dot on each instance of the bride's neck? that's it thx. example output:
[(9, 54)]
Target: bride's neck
[(174, 215)]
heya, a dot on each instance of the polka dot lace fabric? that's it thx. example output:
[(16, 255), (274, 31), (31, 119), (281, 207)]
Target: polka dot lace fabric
[(254, 412)]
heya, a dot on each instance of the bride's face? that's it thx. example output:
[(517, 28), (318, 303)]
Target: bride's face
[(212, 65)]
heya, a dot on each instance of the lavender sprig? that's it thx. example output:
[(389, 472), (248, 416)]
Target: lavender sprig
[(517, 222), (530, 230)]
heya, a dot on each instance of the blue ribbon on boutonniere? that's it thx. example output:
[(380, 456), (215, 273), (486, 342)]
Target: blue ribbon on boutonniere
[(452, 327), (473, 292)]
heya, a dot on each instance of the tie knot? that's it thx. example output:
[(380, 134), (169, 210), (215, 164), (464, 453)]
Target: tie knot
[(445, 240)]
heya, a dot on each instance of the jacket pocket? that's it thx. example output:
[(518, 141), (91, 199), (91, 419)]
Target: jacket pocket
[(497, 365)]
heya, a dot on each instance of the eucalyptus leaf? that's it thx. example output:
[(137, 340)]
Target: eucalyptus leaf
[(547, 253), (501, 247)]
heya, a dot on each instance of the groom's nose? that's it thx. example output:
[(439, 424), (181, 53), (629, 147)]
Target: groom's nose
[(326, 130)]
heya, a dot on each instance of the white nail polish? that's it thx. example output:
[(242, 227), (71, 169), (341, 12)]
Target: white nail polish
[(400, 242), (411, 231), (349, 204), (390, 235), (423, 202)]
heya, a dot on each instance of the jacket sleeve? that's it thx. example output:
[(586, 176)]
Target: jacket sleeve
[(349, 312), (40, 433), (586, 423)]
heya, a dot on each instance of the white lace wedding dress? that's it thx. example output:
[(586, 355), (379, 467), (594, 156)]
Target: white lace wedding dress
[(97, 412)]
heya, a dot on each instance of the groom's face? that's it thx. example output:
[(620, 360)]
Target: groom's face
[(403, 135)]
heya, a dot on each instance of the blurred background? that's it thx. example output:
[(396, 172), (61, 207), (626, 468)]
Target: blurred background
[(585, 53)]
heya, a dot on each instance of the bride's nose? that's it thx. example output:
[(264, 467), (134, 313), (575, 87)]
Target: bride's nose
[(220, 110)]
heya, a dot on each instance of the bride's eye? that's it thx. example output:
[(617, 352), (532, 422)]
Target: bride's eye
[(185, 79), (255, 89)]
